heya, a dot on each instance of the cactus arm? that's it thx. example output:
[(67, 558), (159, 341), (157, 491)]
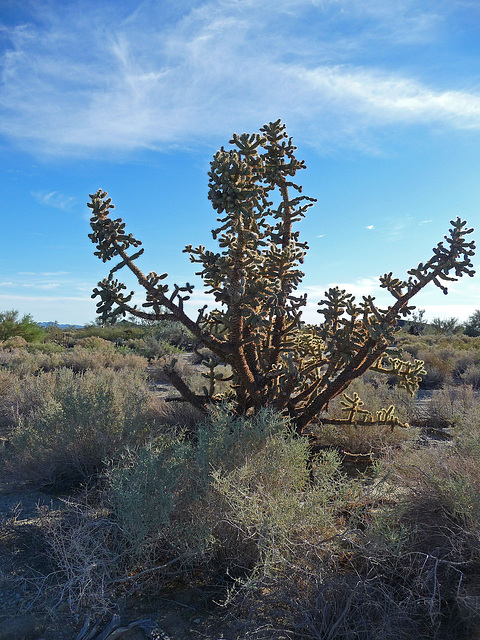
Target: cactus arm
[(109, 234), (456, 257)]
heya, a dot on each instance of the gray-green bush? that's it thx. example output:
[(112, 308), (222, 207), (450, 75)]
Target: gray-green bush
[(241, 496), (83, 420)]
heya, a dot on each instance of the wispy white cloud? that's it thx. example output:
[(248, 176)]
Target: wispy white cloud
[(43, 273), (59, 299), (396, 229), (79, 81), (31, 285), (54, 199), (370, 226)]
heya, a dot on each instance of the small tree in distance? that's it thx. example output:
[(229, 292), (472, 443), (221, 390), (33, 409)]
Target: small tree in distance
[(12, 325), (256, 328), (472, 325), (446, 326)]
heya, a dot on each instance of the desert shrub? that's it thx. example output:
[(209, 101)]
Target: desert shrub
[(19, 397), (83, 359), (445, 477), (14, 342), (80, 359), (413, 344), (451, 406), (439, 370), (45, 347), (408, 568), (446, 358), (471, 375), (147, 486), (239, 498), (153, 348), (413, 572), (466, 439), (102, 355), (464, 360), (85, 419), (171, 470), (124, 333), (24, 363), (95, 343), (8, 394), (271, 502), (331, 604), (88, 557), (32, 362), (167, 416), (172, 333)]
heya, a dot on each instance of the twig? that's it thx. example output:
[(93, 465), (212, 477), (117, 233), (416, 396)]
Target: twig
[(142, 573)]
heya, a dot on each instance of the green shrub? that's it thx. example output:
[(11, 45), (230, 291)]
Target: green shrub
[(147, 486), (11, 325), (472, 326), (271, 503), (45, 347)]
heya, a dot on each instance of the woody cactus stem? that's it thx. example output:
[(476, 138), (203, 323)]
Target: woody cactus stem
[(253, 278)]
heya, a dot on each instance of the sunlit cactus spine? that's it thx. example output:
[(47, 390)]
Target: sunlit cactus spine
[(253, 277)]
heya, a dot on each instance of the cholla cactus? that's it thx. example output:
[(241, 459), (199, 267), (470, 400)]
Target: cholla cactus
[(253, 277)]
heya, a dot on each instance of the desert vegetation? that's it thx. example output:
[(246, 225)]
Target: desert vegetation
[(374, 534), (296, 481)]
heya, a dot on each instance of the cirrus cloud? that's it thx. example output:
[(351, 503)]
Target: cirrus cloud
[(156, 76)]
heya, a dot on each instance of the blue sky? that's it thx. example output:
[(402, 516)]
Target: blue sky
[(382, 98)]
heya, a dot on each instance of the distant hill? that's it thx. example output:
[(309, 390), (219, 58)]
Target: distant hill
[(61, 326)]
